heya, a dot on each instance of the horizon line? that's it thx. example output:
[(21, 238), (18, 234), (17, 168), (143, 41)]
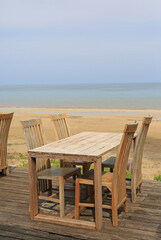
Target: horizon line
[(59, 84)]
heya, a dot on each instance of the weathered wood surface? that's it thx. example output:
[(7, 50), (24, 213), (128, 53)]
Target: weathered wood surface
[(86, 146), (115, 182), (143, 221), (61, 127), (5, 122), (91, 144), (134, 166), (62, 130), (34, 136)]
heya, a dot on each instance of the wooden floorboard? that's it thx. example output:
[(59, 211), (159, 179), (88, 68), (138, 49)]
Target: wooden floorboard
[(143, 221)]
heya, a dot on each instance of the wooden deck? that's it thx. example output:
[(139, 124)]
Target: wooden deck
[(142, 222)]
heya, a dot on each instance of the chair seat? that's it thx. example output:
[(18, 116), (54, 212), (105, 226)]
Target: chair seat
[(110, 163), (55, 173), (88, 178), (76, 162)]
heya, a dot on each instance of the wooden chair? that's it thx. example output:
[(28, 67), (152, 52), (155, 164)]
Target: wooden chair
[(5, 122), (135, 166), (61, 129), (34, 136), (115, 181), (60, 175)]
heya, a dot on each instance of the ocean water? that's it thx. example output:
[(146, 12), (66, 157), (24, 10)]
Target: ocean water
[(103, 96)]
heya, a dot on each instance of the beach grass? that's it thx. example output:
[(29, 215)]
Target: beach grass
[(157, 176)]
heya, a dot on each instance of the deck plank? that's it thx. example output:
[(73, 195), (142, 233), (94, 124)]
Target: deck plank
[(142, 222)]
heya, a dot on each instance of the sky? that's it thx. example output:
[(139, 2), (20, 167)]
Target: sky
[(80, 41)]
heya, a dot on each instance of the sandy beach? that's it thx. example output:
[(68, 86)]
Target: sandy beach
[(103, 120)]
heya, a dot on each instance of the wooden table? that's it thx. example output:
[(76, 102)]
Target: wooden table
[(85, 146)]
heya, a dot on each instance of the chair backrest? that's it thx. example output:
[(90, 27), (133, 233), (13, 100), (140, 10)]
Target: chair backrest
[(33, 133), (34, 137), (5, 122), (139, 147), (119, 172), (60, 125)]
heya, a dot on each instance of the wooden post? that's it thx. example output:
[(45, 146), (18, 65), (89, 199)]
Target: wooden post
[(49, 182), (33, 187), (61, 196), (77, 199), (98, 193)]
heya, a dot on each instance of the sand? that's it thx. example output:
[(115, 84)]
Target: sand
[(103, 120)]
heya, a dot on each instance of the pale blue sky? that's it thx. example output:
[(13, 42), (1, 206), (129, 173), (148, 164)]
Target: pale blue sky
[(80, 41)]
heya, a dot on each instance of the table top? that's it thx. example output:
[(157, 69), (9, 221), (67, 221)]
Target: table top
[(88, 144)]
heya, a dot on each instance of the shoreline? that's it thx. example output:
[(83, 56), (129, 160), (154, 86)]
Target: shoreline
[(85, 110)]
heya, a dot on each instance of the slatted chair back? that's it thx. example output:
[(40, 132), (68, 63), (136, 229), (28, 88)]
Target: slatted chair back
[(60, 125), (62, 130), (5, 122), (34, 137), (119, 173), (138, 151)]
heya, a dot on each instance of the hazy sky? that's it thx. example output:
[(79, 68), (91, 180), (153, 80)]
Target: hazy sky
[(80, 41)]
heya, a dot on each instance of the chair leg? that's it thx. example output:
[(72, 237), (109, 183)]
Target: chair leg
[(114, 217), (61, 163), (50, 187), (61, 196), (75, 176), (133, 193), (126, 206), (86, 167), (114, 211), (133, 190), (49, 182), (91, 195), (79, 173), (77, 199), (141, 188), (7, 171)]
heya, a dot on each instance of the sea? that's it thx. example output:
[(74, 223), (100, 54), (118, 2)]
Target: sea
[(93, 96)]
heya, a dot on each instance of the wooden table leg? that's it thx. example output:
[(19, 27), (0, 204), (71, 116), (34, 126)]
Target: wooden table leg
[(49, 182), (98, 193), (61, 196), (33, 187)]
